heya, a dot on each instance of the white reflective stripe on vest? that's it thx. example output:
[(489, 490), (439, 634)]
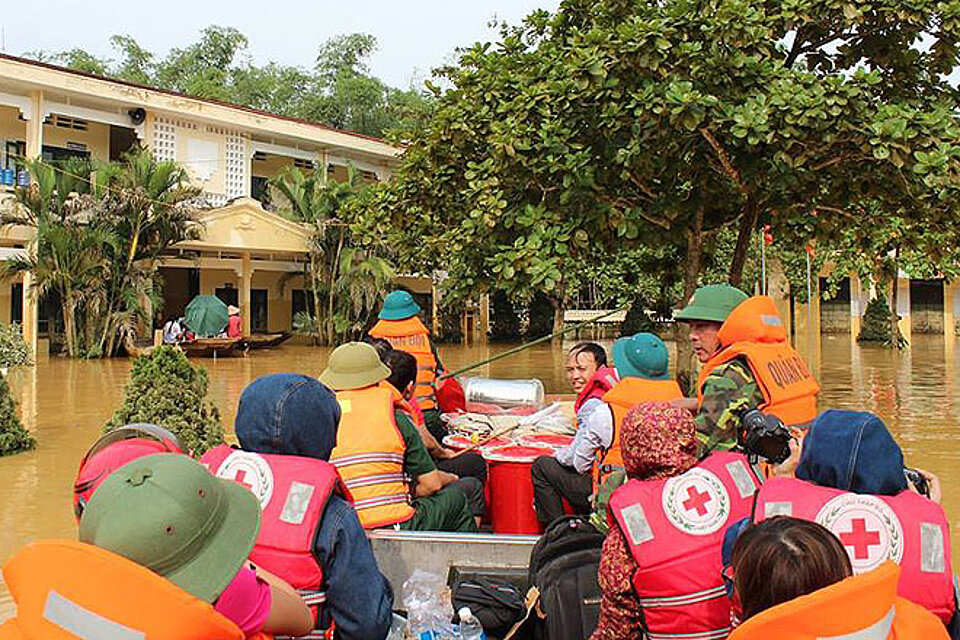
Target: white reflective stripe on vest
[(312, 596), (83, 623), (364, 458), (690, 598), (716, 634), (380, 478), (877, 631), (381, 501)]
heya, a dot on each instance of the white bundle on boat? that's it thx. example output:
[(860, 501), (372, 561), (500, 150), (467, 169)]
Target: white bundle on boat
[(550, 419)]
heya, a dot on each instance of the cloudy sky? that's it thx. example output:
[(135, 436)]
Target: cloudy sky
[(414, 36)]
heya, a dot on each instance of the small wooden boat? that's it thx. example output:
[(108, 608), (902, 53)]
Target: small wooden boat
[(211, 347), (137, 348), (265, 340)]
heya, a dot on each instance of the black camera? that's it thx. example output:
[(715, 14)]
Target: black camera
[(918, 481), (762, 435)]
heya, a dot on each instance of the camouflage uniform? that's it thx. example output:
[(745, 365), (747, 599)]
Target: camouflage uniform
[(729, 387)]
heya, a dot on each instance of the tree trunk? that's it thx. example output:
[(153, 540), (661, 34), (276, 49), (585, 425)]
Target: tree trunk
[(894, 301), (748, 223), (314, 279), (558, 311), (685, 363), (331, 294), (68, 328)]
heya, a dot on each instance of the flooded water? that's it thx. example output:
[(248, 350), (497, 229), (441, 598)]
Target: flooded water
[(65, 404)]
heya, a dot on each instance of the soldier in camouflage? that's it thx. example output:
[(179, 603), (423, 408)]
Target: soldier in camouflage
[(731, 386)]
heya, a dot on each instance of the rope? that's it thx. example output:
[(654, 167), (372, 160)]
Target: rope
[(510, 352)]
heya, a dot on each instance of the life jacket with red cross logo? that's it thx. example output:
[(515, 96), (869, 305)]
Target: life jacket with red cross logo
[(293, 492), (674, 528), (907, 528), (603, 380)]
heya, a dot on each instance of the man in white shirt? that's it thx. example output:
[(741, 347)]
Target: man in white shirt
[(567, 474)]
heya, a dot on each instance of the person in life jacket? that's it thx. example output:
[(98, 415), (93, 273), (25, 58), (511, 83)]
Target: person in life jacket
[(115, 449), (377, 455), (566, 474), (850, 479), (166, 513), (467, 471), (660, 571), (747, 363), (310, 535), (792, 580), (399, 323)]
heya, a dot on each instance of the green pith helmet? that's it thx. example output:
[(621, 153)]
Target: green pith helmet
[(712, 303), (166, 512), (354, 365), (641, 356), (399, 305)]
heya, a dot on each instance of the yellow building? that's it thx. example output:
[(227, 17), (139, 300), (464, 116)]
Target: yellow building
[(247, 255)]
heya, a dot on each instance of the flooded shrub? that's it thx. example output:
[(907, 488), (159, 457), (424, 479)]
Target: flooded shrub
[(876, 324), (13, 349), (13, 437), (166, 389)]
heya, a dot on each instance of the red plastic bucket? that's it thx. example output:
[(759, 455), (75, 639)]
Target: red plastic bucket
[(511, 489)]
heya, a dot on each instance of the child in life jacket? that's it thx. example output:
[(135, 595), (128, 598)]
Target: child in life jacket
[(166, 512), (792, 580)]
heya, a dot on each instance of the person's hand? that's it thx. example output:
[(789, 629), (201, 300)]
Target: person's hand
[(690, 404), (445, 454), (786, 468), (933, 484)]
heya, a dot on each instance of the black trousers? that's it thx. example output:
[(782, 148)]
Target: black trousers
[(552, 482), (472, 469)]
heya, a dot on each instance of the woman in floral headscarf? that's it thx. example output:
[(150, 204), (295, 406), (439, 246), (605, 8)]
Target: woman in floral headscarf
[(658, 441)]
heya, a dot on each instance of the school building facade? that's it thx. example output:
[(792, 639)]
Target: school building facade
[(247, 255)]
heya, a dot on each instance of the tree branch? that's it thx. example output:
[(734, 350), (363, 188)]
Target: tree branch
[(728, 167), (620, 203)]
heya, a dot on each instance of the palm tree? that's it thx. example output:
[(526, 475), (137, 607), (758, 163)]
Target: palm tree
[(64, 256), (346, 279), (148, 208)]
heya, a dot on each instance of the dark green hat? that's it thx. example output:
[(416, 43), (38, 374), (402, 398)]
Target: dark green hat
[(354, 365), (399, 305), (712, 303), (641, 356), (169, 514)]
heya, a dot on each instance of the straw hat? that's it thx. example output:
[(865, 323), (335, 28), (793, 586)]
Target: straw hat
[(232, 310), (354, 365)]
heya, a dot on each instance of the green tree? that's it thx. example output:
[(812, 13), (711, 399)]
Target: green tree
[(166, 389), (346, 274)]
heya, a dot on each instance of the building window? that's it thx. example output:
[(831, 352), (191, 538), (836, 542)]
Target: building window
[(16, 303)]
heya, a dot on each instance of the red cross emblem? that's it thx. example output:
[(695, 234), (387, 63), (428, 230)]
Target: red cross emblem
[(696, 501), (240, 477), (859, 538)]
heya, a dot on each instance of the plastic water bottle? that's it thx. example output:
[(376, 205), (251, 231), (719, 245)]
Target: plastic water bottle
[(470, 627)]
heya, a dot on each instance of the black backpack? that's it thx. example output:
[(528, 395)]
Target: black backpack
[(496, 605), (563, 566)]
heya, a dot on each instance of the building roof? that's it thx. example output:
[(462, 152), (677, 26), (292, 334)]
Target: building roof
[(181, 96)]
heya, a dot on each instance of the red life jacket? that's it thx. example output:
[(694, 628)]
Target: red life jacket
[(906, 528), (604, 379), (293, 492), (675, 529)]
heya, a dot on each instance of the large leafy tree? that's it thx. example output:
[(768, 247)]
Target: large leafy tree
[(621, 123)]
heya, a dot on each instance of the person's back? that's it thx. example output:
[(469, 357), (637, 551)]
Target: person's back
[(850, 479), (660, 569), (66, 589), (792, 580), (287, 427)]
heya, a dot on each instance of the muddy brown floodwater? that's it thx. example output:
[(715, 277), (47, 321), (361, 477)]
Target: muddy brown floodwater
[(65, 404)]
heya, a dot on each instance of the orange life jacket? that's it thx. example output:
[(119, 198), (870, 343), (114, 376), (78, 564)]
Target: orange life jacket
[(864, 607), (754, 331), (67, 590), (369, 457), (624, 396), (412, 336)]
